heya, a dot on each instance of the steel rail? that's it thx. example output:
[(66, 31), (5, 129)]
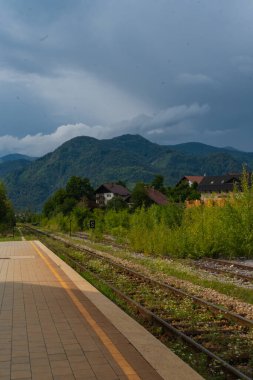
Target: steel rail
[(210, 306), (105, 240), (152, 317), (241, 276), (229, 263)]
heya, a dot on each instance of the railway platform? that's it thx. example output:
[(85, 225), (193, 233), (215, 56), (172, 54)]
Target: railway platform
[(55, 325)]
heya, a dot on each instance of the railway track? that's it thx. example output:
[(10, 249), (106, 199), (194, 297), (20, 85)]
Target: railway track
[(106, 240), (228, 268), (218, 267), (233, 264), (225, 337)]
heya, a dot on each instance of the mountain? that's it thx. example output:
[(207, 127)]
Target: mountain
[(130, 158), (16, 157), (230, 148), (196, 148), (14, 162), (199, 149), (10, 167)]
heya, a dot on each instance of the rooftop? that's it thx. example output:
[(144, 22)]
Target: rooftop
[(156, 196)]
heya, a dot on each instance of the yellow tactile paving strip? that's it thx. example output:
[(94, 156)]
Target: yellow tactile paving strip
[(54, 325), (120, 360)]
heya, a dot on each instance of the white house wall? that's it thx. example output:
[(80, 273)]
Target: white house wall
[(108, 197)]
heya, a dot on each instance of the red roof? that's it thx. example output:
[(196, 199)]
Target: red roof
[(156, 196), (194, 178)]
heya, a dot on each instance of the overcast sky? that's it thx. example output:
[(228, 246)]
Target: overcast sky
[(172, 70)]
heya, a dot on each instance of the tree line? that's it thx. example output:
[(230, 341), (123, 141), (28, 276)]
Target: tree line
[(7, 215), (79, 193), (173, 230)]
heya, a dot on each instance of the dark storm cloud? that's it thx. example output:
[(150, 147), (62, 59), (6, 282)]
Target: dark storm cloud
[(88, 65)]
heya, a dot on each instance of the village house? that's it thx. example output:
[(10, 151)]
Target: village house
[(107, 191), (156, 196), (191, 179), (213, 187), (218, 186)]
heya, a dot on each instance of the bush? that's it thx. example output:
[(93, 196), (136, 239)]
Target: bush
[(214, 230)]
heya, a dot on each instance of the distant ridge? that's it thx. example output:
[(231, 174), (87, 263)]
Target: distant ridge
[(16, 157), (130, 158), (230, 148)]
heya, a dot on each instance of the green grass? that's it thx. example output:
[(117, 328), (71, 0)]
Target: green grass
[(10, 237), (179, 269), (187, 274)]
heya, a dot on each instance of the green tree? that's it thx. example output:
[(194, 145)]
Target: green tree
[(68, 205), (139, 196), (3, 202), (158, 183), (117, 204), (64, 200), (79, 188), (7, 216), (55, 203), (183, 191), (122, 183), (81, 216)]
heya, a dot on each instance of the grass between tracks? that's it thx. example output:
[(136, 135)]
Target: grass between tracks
[(11, 236), (180, 269)]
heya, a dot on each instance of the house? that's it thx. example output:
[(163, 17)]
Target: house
[(191, 179), (218, 185), (156, 196), (215, 187), (153, 195), (107, 191)]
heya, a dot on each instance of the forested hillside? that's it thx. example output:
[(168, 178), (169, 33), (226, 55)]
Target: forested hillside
[(130, 158)]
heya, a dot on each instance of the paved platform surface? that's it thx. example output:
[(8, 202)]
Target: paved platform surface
[(55, 325)]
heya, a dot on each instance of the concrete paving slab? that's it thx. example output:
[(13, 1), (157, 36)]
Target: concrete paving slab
[(55, 325)]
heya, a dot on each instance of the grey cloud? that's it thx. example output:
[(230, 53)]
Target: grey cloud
[(244, 64), (194, 79), (175, 119), (105, 61), (168, 124), (172, 116)]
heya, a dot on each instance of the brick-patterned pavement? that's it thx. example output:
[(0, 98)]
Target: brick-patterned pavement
[(45, 335)]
